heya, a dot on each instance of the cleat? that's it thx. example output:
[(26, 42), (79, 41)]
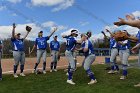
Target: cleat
[(34, 71), (122, 77), (67, 73), (15, 76), (0, 79), (116, 71), (55, 70), (111, 72), (92, 82), (70, 82), (22, 74), (51, 71), (138, 85), (44, 72)]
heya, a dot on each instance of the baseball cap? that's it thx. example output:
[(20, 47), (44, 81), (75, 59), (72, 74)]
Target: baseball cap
[(41, 32), (74, 31), (18, 34), (55, 36), (88, 33)]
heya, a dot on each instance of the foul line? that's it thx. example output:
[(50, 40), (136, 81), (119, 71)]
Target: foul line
[(7, 72)]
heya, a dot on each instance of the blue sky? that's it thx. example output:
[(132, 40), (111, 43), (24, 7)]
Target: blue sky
[(65, 14)]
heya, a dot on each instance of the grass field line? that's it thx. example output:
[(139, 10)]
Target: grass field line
[(7, 72)]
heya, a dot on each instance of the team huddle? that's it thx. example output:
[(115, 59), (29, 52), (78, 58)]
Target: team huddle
[(119, 44)]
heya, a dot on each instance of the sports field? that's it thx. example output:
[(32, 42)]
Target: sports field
[(7, 64), (56, 82)]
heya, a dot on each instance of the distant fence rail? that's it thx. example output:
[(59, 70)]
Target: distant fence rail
[(97, 51)]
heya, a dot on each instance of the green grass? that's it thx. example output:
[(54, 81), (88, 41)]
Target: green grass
[(56, 82)]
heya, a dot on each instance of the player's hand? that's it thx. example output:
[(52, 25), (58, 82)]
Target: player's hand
[(121, 22), (120, 42), (103, 32), (55, 29), (134, 49), (107, 30), (14, 25)]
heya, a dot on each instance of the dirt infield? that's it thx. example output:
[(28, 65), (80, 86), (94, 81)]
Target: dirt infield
[(7, 64)]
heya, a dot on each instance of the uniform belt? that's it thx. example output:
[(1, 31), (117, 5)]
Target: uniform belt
[(70, 50), (42, 49), (114, 47), (17, 50)]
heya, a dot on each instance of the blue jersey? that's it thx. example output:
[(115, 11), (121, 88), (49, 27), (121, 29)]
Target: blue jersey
[(88, 44), (113, 43), (126, 46), (0, 45), (71, 43), (138, 36), (41, 42), (55, 45), (18, 44)]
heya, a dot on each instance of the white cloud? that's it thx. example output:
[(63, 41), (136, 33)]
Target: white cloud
[(97, 36), (64, 5), (14, 1), (46, 2), (19, 29), (84, 23), (2, 8), (5, 31), (58, 4), (14, 14), (52, 24), (136, 14)]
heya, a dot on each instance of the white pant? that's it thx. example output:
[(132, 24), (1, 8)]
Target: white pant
[(124, 55)]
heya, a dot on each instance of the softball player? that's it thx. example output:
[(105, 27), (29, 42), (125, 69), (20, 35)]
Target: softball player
[(18, 51), (124, 53), (88, 50), (114, 53), (0, 60), (70, 46), (41, 44), (89, 34), (54, 48)]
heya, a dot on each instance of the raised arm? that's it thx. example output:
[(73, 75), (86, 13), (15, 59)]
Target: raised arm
[(55, 29), (133, 23), (109, 32), (32, 49), (105, 36), (26, 35), (13, 31), (133, 39)]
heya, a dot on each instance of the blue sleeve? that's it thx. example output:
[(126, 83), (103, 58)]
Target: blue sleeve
[(36, 42), (75, 41), (13, 39), (58, 45), (22, 39), (0, 42), (66, 37), (51, 44), (47, 38)]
